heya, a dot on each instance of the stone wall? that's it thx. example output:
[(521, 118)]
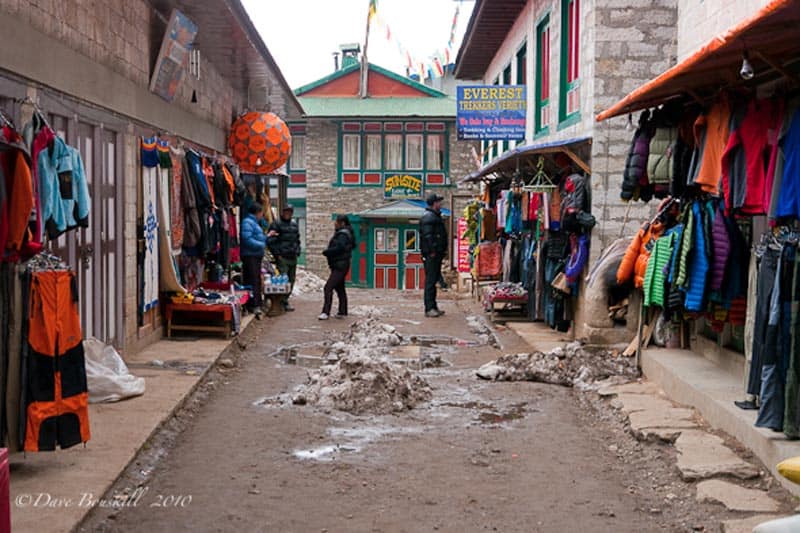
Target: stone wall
[(325, 198), (699, 22)]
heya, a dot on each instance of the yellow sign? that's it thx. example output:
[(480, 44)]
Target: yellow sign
[(402, 185)]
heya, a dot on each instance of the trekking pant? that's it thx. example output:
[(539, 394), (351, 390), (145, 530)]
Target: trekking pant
[(336, 282), (57, 397), (288, 267), (251, 275), (433, 267)]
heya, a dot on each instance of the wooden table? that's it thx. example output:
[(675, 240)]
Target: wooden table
[(207, 318), (521, 301)]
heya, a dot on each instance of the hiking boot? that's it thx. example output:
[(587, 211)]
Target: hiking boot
[(323, 316), (433, 313), (440, 312), (340, 315), (288, 307), (258, 314)]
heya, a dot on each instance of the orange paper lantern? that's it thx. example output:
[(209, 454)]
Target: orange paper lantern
[(260, 142)]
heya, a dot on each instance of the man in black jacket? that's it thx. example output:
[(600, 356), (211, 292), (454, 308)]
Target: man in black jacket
[(433, 239), (338, 253), (283, 241)]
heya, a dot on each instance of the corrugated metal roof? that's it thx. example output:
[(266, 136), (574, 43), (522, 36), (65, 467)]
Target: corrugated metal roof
[(379, 107), (400, 209), (488, 27)]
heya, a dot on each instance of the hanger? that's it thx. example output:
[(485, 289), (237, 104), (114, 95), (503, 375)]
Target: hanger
[(6, 121), (540, 182)]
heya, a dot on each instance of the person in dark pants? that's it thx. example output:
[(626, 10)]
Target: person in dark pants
[(338, 253), (433, 240), (252, 242), (283, 239)]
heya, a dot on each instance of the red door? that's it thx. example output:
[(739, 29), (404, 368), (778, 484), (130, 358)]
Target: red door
[(386, 258), (414, 276)]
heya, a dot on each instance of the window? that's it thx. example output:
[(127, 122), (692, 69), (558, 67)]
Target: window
[(392, 239), (435, 152), (372, 152), (542, 106), (569, 96), (414, 152), (507, 75), (298, 158), (393, 155), (522, 65), (411, 240), (351, 151)]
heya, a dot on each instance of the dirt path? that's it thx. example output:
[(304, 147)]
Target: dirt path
[(480, 456)]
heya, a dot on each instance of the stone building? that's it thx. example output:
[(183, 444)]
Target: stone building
[(575, 57), (375, 159), (88, 64)]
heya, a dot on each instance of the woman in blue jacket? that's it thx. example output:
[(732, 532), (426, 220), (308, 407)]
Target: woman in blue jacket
[(252, 242)]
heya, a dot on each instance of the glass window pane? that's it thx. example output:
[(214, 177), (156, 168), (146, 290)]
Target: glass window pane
[(392, 238), (372, 152), (298, 157), (435, 152), (351, 150), (380, 241), (411, 240), (393, 158), (414, 152)]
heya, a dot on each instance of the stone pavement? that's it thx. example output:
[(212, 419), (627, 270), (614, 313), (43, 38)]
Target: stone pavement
[(701, 455), (53, 491)]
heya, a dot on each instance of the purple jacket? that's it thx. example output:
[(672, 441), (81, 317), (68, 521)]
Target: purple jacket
[(721, 242)]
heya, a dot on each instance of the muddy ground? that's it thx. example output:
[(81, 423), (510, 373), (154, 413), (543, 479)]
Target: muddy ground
[(479, 456)]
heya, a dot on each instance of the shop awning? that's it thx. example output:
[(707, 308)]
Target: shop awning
[(519, 157), (770, 39), (400, 209)]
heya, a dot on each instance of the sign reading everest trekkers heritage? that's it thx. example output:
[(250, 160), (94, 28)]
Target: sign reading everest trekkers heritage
[(491, 112), (402, 186)]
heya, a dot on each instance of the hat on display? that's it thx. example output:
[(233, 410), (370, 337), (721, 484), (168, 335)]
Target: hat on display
[(433, 198)]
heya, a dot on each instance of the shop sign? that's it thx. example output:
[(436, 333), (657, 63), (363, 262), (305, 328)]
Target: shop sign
[(402, 186), (173, 58), (491, 112), (463, 246)]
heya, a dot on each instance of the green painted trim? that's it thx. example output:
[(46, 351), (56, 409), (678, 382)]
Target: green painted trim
[(544, 132), (563, 86), (521, 57), (542, 25), (569, 121), (388, 73), (296, 202)]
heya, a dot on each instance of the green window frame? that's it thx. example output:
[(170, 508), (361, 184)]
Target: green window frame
[(542, 89), (569, 93), (522, 64)]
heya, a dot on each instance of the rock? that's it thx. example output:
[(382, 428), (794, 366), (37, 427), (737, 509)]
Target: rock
[(157, 362), (226, 363), (641, 387), (734, 497), (702, 455), (629, 403), (673, 417), (489, 371), (745, 525), (254, 491), (658, 434)]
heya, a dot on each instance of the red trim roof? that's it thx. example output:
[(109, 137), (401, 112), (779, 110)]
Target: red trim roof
[(770, 37)]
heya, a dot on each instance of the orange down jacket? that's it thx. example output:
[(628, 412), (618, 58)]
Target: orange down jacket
[(634, 263)]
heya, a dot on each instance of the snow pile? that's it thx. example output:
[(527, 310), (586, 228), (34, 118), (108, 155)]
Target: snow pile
[(571, 365), (360, 378), (306, 282), (361, 384)]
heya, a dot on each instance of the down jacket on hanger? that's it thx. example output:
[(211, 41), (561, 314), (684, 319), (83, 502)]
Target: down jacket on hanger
[(634, 263), (634, 178)]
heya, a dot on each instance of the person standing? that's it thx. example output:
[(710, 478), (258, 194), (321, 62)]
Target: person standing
[(283, 239), (338, 253), (252, 242), (433, 239)]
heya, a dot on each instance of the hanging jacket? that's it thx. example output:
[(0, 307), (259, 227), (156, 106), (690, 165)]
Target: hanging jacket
[(634, 176), (711, 136), (340, 249), (658, 267), (252, 240), (634, 262), (722, 250), (17, 185), (63, 188), (191, 218), (698, 267), (660, 166)]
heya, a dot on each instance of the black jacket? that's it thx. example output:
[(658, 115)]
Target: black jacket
[(433, 235), (286, 243), (340, 249)]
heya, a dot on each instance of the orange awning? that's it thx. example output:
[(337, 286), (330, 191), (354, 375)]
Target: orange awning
[(771, 38)]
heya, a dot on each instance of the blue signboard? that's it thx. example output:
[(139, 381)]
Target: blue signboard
[(491, 112)]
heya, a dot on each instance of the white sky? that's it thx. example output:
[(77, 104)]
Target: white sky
[(302, 35)]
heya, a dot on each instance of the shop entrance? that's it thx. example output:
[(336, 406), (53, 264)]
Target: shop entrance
[(397, 261)]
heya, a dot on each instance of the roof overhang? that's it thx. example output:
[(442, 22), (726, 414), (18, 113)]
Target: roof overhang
[(770, 37), (488, 28), (400, 209), (522, 159)]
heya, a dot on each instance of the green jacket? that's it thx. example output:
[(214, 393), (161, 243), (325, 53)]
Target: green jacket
[(654, 276)]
